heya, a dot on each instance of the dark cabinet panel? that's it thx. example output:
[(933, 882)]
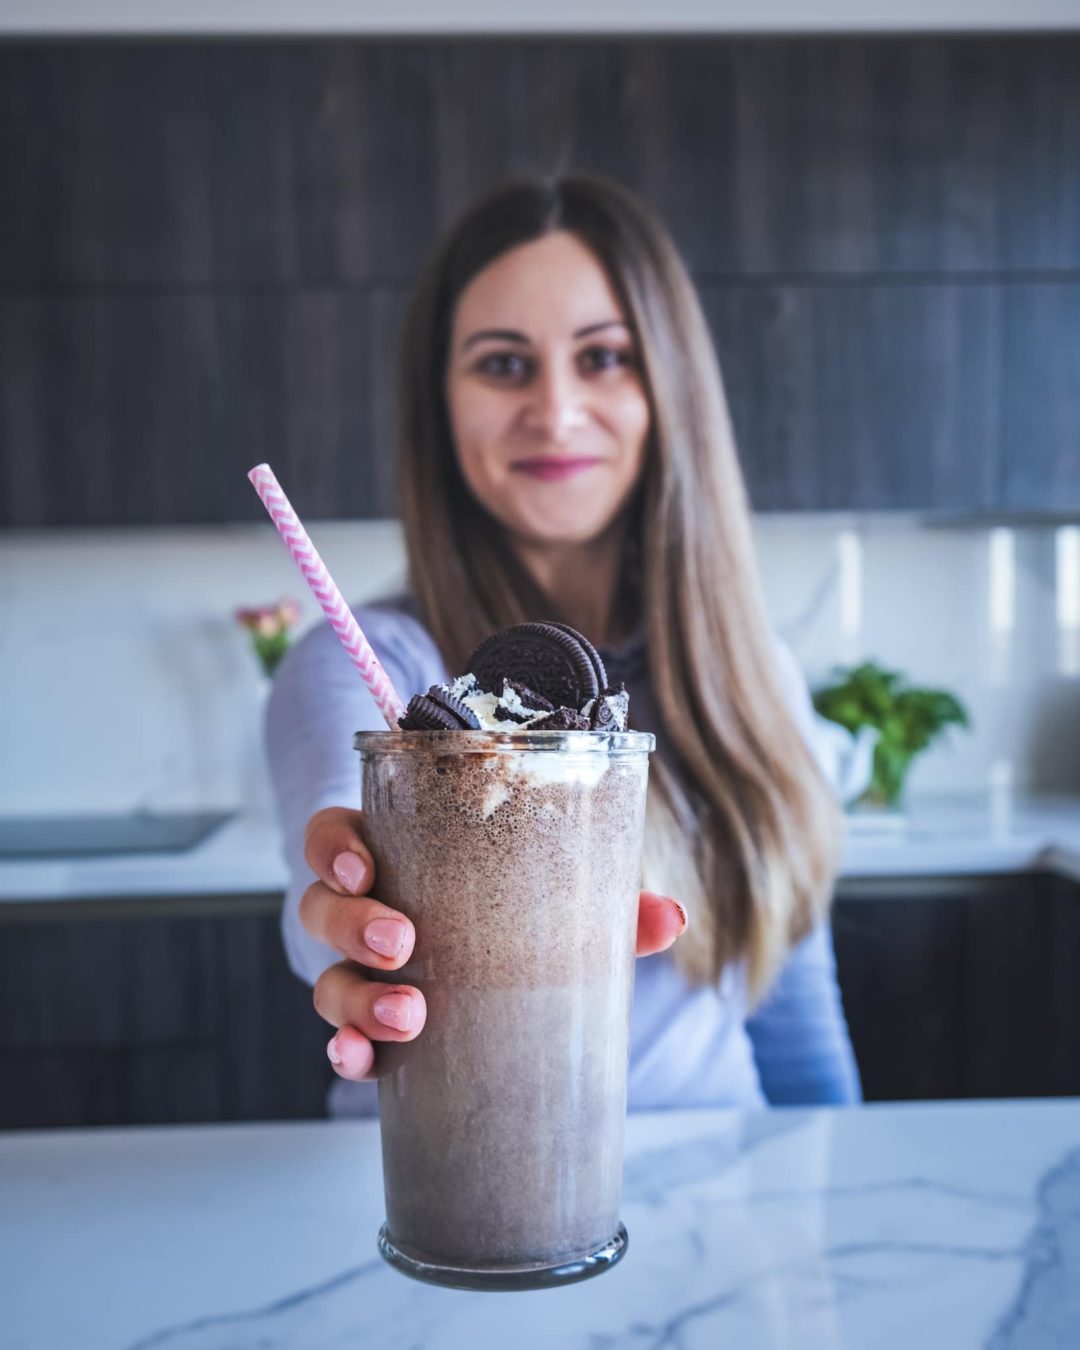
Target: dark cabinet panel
[(951, 397), (364, 126), (155, 1020), (188, 163), (129, 409), (963, 995), (865, 396), (1040, 413), (84, 1086), (228, 162), (67, 986)]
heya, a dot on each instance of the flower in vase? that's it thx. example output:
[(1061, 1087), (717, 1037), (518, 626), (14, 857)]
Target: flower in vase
[(269, 626)]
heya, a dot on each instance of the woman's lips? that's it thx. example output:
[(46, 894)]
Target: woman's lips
[(553, 470)]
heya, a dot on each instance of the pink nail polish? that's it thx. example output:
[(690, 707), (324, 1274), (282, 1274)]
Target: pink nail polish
[(349, 870), (385, 936), (394, 1010)]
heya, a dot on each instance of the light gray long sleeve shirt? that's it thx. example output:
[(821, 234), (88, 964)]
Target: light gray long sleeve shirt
[(688, 1046)]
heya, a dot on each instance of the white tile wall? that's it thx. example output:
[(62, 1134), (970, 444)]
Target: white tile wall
[(926, 610), (125, 682)]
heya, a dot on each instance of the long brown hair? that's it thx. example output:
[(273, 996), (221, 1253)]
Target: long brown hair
[(741, 827)]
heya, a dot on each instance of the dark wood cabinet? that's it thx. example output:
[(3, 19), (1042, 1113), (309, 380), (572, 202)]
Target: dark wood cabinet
[(175, 1011), (870, 396), (210, 244), (962, 989), (137, 1018), (1040, 356), (150, 408)]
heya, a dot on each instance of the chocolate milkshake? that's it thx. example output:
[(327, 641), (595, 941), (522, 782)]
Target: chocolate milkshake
[(516, 853)]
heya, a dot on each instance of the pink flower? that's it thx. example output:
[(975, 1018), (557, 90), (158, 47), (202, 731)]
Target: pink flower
[(270, 620), (248, 618)]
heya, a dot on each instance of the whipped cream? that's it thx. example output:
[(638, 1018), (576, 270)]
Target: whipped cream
[(486, 706)]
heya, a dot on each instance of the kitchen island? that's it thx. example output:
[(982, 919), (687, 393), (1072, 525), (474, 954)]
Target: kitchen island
[(938, 1225)]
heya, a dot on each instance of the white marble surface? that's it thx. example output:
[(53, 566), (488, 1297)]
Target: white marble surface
[(931, 1225), (945, 836)]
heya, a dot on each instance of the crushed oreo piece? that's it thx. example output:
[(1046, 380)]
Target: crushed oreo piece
[(505, 715), (603, 717), (562, 719), (611, 710), (530, 698)]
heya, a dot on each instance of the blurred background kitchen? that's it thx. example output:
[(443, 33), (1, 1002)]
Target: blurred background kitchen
[(212, 218)]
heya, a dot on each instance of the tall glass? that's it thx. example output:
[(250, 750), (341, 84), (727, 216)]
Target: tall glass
[(517, 855)]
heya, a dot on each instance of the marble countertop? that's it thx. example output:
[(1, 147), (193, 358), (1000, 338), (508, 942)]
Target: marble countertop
[(943, 836), (942, 1224)]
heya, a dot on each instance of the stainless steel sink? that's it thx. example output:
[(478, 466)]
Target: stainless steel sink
[(41, 837)]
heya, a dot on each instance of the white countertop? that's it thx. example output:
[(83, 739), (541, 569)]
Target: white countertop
[(936, 1225), (971, 835), (945, 836)]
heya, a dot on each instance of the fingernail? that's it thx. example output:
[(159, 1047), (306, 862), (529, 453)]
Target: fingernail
[(334, 1054), (394, 1010), (349, 870), (385, 936), (682, 912)]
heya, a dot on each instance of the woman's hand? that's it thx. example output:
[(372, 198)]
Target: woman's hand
[(339, 911)]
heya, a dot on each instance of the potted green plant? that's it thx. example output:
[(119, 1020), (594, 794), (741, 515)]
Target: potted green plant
[(907, 719)]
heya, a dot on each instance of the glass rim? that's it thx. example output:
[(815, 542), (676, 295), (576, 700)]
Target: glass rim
[(503, 742)]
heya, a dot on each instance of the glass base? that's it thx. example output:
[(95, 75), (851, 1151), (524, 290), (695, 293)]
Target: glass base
[(534, 1277)]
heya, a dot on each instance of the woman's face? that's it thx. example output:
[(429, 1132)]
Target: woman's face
[(547, 404)]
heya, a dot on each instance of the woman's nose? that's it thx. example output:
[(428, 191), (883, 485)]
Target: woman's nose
[(557, 406)]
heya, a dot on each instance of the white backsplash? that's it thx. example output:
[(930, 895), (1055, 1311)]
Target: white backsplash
[(126, 682)]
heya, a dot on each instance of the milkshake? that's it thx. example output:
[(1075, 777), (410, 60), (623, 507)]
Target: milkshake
[(516, 852)]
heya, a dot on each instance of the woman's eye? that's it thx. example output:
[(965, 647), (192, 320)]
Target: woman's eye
[(606, 358), (503, 366)]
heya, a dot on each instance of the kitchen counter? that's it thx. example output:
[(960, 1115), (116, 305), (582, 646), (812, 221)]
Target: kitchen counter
[(944, 837), (947, 1224)]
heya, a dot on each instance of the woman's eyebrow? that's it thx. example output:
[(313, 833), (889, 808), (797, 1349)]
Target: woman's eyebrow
[(494, 335), (598, 327), (512, 335)]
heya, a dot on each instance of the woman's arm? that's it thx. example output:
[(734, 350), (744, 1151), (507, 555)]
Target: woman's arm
[(317, 703), (799, 1033)]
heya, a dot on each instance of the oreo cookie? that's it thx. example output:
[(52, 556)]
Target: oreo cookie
[(438, 710), (562, 719), (445, 699), (551, 660), (589, 650)]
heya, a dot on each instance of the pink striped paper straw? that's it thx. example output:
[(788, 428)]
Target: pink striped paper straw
[(322, 584)]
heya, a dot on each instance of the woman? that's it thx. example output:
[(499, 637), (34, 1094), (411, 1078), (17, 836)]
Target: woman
[(566, 454)]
